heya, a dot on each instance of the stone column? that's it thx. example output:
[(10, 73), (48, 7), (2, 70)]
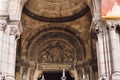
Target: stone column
[(28, 74), (100, 51), (13, 35), (21, 72), (74, 72), (107, 53), (103, 50), (35, 73), (11, 58), (17, 73), (5, 52), (2, 29), (115, 54)]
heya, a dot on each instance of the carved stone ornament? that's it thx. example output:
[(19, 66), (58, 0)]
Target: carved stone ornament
[(2, 26), (112, 25), (13, 30), (56, 52)]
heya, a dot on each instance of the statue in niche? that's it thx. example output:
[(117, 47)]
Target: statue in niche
[(56, 53)]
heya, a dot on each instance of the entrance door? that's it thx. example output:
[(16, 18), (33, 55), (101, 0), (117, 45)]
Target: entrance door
[(56, 76)]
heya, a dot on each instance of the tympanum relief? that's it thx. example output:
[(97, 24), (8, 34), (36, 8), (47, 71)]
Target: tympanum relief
[(56, 52)]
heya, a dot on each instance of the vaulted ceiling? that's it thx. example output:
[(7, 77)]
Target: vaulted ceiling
[(55, 11)]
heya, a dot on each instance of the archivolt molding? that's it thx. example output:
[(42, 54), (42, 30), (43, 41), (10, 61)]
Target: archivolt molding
[(96, 10), (90, 4), (58, 19), (15, 9), (56, 34)]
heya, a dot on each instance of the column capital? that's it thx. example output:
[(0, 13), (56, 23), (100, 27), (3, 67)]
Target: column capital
[(112, 25), (3, 23), (2, 27), (98, 30), (15, 28), (9, 77), (99, 26)]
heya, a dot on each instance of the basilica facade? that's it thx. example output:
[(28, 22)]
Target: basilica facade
[(58, 40)]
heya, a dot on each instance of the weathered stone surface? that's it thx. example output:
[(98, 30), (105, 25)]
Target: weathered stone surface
[(55, 8)]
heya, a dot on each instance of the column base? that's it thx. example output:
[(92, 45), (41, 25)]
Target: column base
[(102, 78), (10, 78), (116, 76)]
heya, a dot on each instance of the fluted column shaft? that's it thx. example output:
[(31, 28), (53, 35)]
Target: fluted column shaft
[(107, 52), (5, 52), (2, 29), (115, 54), (101, 55), (11, 58), (13, 35), (100, 51)]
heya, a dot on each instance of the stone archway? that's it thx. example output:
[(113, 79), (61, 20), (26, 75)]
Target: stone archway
[(39, 57), (74, 43), (54, 48), (54, 40)]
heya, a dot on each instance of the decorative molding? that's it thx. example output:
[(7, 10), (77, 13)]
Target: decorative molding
[(2, 26), (112, 25), (62, 34), (15, 9), (15, 28), (58, 19), (13, 31), (97, 10), (55, 67)]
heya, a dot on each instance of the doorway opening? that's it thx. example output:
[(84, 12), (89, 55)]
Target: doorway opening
[(56, 75)]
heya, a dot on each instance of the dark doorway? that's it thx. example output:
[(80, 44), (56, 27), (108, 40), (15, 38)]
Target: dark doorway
[(56, 76)]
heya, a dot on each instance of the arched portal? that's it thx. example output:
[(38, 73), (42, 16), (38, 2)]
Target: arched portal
[(54, 48), (49, 45), (48, 48)]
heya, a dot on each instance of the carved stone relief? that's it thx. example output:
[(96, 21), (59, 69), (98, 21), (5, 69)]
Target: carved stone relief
[(56, 52)]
